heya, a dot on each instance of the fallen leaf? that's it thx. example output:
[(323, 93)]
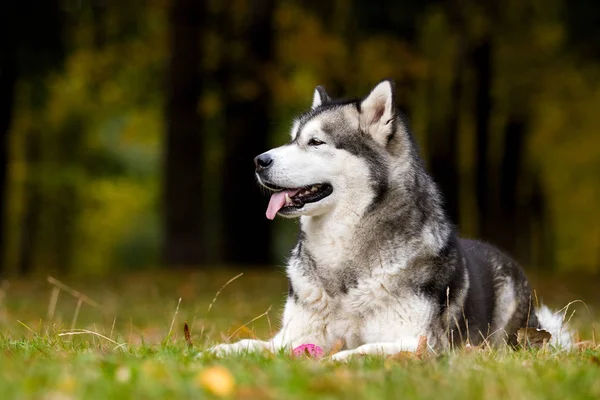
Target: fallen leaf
[(472, 349), (585, 345), (422, 350), (186, 334), (402, 357), (216, 380), (337, 346), (243, 332), (533, 337)]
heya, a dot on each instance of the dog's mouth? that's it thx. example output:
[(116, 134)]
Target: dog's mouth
[(285, 200)]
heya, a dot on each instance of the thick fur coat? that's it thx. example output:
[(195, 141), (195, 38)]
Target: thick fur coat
[(377, 263)]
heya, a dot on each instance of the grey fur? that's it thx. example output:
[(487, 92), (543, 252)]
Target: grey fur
[(404, 207), (377, 263)]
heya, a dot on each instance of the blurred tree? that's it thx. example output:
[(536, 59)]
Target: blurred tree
[(502, 97), (582, 20), (32, 47), (481, 59), (246, 70), (183, 185), (8, 79)]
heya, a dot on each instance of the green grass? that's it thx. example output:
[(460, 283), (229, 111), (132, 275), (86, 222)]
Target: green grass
[(142, 357)]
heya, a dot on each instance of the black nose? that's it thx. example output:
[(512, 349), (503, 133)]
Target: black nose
[(263, 161)]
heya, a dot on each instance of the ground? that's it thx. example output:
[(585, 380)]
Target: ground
[(127, 341)]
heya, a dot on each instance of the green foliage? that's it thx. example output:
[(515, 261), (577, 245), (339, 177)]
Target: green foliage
[(100, 128), (99, 121)]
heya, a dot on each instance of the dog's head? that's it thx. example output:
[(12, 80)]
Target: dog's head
[(339, 153)]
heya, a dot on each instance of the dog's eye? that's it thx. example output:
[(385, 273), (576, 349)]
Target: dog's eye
[(315, 142)]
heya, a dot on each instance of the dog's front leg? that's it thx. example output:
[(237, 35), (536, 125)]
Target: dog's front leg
[(246, 346), (380, 349), (300, 327)]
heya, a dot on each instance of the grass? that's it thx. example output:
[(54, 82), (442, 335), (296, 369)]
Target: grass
[(125, 340)]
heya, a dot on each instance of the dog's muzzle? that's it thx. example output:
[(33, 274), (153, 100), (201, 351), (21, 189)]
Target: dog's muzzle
[(262, 162)]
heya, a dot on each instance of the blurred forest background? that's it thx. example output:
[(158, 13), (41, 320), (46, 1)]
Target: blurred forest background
[(128, 128)]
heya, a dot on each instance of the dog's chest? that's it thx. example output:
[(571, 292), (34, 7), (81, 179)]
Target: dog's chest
[(358, 308)]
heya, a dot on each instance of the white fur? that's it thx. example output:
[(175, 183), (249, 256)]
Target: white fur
[(554, 323), (377, 112), (380, 349), (294, 131), (505, 307), (329, 226), (317, 99), (368, 319)]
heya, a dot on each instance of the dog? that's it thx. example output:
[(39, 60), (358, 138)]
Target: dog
[(377, 263)]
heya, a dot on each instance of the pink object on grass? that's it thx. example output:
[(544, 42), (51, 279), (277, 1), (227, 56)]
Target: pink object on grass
[(308, 349)]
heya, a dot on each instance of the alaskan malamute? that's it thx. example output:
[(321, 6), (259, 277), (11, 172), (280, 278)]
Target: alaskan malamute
[(377, 263)]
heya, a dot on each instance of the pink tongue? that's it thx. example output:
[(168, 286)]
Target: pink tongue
[(277, 201)]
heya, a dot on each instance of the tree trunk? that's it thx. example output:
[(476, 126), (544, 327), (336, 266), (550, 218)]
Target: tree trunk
[(482, 63), (246, 231), (31, 219), (183, 199), (444, 142), (511, 172), (8, 78)]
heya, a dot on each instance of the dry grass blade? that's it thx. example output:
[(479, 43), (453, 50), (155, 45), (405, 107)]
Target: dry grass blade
[(52, 304), (28, 328), (72, 292), (76, 313), (221, 289), (187, 335), (216, 296), (173, 320), (532, 337), (88, 332), (249, 322)]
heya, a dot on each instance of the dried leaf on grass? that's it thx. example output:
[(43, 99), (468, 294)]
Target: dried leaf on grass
[(532, 337), (421, 351), (243, 332), (586, 345), (468, 349), (337, 347), (405, 356), (187, 335)]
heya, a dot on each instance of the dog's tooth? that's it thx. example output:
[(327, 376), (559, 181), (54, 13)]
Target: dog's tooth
[(288, 200), (314, 188)]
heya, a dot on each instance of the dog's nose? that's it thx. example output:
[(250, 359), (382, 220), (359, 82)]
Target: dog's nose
[(263, 161)]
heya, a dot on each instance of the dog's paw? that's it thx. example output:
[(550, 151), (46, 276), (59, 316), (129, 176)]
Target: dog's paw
[(228, 349), (342, 356)]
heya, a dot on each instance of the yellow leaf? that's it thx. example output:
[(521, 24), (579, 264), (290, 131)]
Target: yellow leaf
[(217, 380)]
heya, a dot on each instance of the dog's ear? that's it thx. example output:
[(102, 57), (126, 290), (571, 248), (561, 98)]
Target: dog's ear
[(377, 112), (319, 97)]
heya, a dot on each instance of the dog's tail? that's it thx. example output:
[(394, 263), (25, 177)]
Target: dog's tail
[(554, 323)]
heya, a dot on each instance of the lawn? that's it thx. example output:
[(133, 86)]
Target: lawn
[(123, 338)]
